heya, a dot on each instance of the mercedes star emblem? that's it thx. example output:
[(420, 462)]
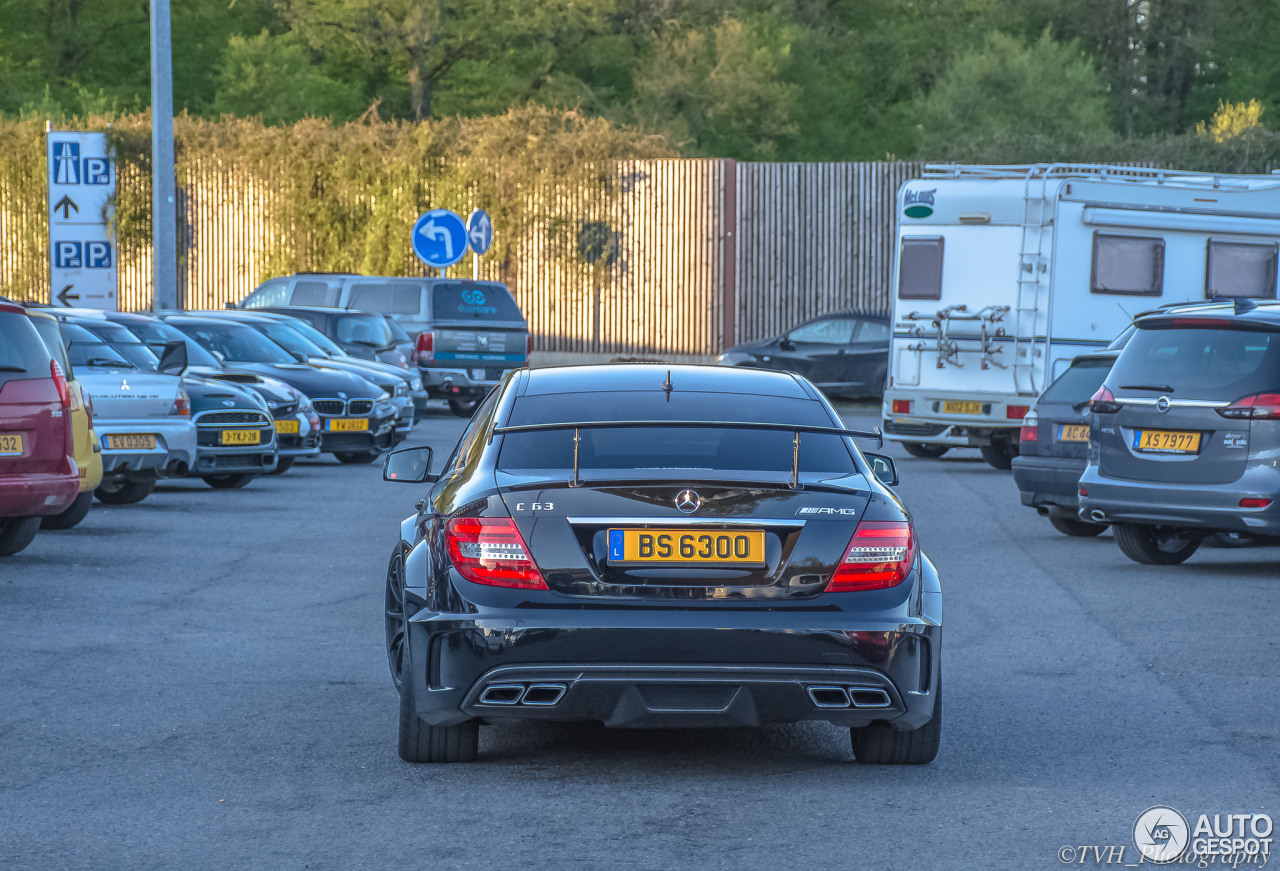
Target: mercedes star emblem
[(688, 501)]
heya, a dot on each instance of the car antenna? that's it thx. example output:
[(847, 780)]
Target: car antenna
[(667, 387), (1244, 304)]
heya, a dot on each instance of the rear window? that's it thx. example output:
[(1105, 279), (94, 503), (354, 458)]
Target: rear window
[(920, 268), (1081, 380), (91, 351), (1199, 363), (22, 354), (650, 449), (368, 330), (457, 301), (391, 297), (156, 334), (52, 338), (397, 331)]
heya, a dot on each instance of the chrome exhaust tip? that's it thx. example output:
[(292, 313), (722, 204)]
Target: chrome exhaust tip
[(543, 695), (869, 697), (1097, 516), (501, 694), (828, 697)]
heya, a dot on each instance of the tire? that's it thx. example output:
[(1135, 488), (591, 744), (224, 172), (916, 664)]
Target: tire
[(1076, 528), (16, 533), (74, 513), (463, 407), (393, 617), (1000, 454), (879, 744), (924, 451), (227, 482), (125, 492), (356, 457), (1154, 545), (283, 464), (422, 742)]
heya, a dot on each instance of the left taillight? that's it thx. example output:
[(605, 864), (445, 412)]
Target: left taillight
[(490, 550), (60, 382), (879, 556), (181, 404), (1030, 429)]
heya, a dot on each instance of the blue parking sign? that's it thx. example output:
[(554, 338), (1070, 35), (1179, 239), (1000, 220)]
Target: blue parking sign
[(68, 255)]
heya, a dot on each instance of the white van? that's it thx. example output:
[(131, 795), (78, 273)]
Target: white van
[(1003, 274)]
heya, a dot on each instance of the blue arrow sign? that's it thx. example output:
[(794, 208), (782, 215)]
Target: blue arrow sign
[(479, 231), (439, 238)]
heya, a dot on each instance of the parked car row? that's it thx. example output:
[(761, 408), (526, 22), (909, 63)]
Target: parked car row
[(103, 404), (1171, 437)]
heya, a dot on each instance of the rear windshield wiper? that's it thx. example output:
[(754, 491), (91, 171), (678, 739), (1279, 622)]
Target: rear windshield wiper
[(13, 369), (1163, 388)]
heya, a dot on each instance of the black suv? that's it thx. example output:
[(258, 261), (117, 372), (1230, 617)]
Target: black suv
[(1185, 438), (1054, 443)]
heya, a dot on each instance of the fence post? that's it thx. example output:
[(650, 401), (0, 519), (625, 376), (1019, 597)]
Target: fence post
[(729, 254)]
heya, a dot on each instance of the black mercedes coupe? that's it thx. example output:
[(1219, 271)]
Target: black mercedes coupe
[(660, 546)]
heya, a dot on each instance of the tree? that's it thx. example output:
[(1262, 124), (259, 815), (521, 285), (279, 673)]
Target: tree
[(1007, 88), (275, 78)]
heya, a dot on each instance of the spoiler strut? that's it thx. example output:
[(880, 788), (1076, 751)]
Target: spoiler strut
[(795, 429)]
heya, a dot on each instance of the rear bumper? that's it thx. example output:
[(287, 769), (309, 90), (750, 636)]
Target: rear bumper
[(1048, 480), (174, 453), (37, 494), (665, 668), (458, 383), (1208, 507)]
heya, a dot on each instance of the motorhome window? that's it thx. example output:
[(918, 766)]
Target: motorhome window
[(920, 268), (313, 293), (1241, 269), (1127, 265)]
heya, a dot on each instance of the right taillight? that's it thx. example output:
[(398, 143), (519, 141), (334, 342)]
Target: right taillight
[(1030, 429), (1103, 401), (60, 382), (490, 550), (425, 350), (902, 406), (1259, 406), (879, 556)]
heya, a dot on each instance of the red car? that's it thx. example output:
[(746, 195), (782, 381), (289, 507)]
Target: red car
[(38, 473)]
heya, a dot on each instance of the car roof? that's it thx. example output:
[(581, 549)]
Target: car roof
[(612, 377), (322, 309), (1259, 312)]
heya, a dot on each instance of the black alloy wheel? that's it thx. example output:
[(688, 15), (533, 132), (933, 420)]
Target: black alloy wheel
[(227, 482), (394, 616), (924, 451), (356, 457), (1068, 524), (124, 492), (463, 407), (75, 512), (1155, 545), (283, 464)]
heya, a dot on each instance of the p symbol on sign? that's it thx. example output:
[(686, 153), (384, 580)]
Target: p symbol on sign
[(97, 255), (97, 170), (67, 255)]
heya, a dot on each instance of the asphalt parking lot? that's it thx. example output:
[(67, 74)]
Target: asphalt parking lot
[(199, 681)]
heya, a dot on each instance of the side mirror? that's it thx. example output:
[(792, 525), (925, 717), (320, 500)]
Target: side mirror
[(883, 468), (173, 359), (299, 356), (230, 305), (786, 344), (409, 466)]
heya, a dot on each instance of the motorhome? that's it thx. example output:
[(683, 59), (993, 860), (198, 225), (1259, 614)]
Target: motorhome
[(1003, 274)]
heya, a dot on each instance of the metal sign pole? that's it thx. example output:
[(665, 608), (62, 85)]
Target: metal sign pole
[(164, 224)]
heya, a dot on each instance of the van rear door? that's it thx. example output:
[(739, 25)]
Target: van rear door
[(478, 325)]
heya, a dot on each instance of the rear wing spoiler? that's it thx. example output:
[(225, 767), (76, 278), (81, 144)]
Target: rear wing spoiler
[(795, 429)]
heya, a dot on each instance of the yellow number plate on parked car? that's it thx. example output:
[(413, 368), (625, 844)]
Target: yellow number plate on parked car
[(1073, 432), (287, 427), (131, 442), (743, 547), (954, 406), (241, 437), (10, 443), (347, 424), (1166, 441)]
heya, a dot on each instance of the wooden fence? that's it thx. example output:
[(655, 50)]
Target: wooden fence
[(675, 256)]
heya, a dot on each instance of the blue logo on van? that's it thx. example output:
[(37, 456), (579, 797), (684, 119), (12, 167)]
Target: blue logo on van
[(473, 297), (918, 204)]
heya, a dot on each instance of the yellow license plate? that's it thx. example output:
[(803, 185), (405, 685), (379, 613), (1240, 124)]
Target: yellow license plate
[(287, 427), (241, 437), (641, 546), (1166, 441), (955, 406), (1073, 432), (131, 442), (10, 444), (347, 424)]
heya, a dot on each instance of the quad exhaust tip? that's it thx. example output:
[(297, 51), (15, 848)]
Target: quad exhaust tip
[(538, 695), (849, 697)]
